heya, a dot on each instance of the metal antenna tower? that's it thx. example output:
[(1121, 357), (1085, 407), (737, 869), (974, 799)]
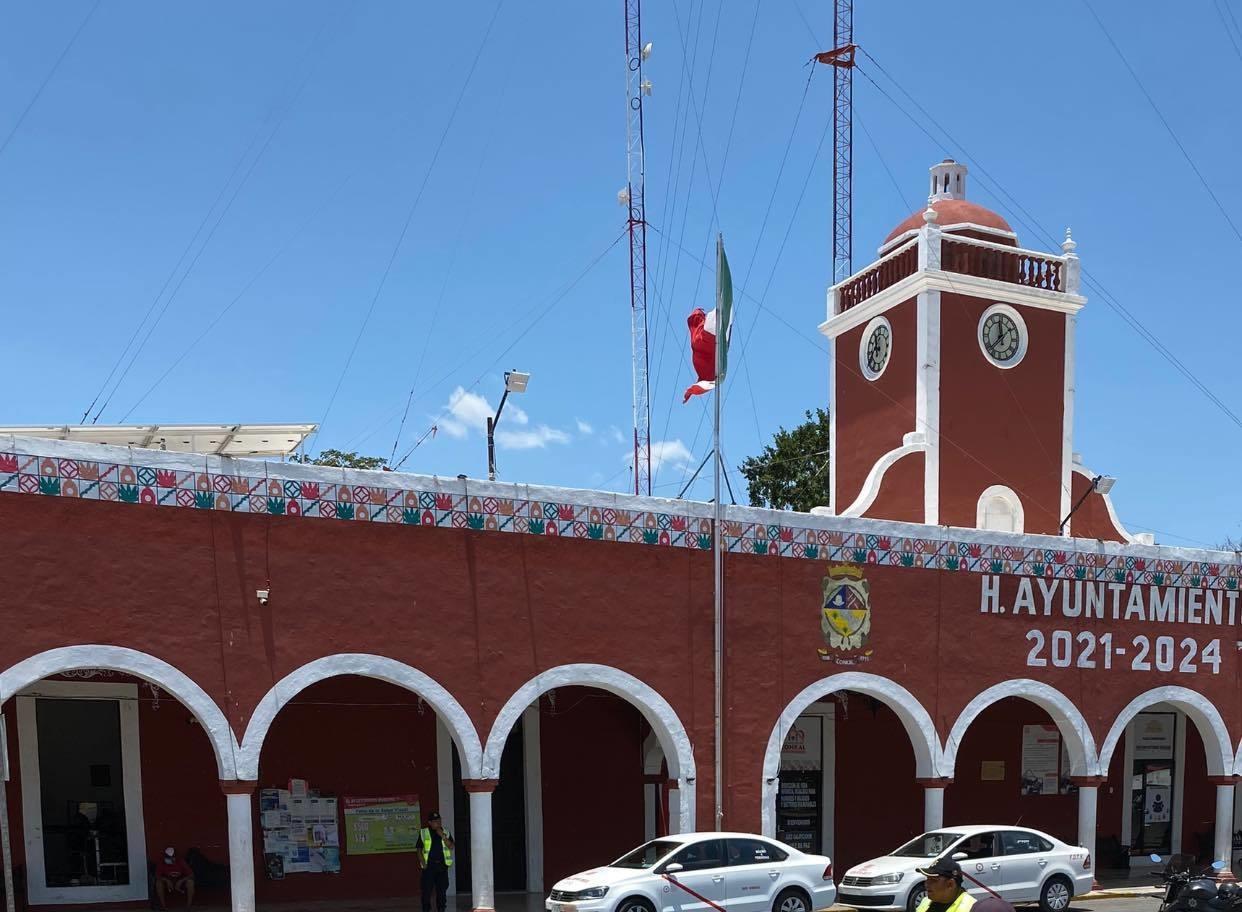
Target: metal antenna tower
[(633, 197), (841, 59)]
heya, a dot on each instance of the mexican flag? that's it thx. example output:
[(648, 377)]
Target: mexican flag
[(709, 354)]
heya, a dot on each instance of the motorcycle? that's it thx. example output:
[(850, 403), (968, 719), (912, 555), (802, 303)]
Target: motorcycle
[(1187, 891)]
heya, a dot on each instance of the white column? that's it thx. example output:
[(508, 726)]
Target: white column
[(241, 848), (933, 807), (482, 880), (1224, 826), (1088, 800)]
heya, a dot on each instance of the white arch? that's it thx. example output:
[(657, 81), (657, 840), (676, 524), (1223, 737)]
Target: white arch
[(140, 665), (1012, 503), (1079, 742), (663, 720), (1217, 745), (368, 666), (910, 711)]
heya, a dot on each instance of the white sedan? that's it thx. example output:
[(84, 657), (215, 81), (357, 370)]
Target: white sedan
[(1021, 865), (702, 872)]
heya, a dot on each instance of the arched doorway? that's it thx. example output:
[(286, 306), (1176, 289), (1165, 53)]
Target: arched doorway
[(114, 755), (820, 749), (351, 740), (1169, 759), (630, 729)]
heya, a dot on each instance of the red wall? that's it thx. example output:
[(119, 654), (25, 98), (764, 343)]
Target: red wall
[(879, 805), (997, 735), (1199, 796), (592, 762), (901, 493), (359, 738), (872, 415), (1006, 424)]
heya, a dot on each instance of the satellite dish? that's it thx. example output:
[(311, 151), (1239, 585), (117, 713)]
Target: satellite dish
[(646, 50)]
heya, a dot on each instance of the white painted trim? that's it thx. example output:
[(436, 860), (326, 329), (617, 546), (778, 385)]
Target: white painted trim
[(863, 343), (240, 810), (1217, 745), (1079, 742), (532, 766), (1024, 336), (661, 716), (446, 792), (949, 229), (140, 665), (914, 718), (875, 478), (653, 763), (1009, 496), (1179, 782), (368, 666), (832, 425), (927, 399), (954, 282), (126, 697), (1067, 422), (1125, 533)]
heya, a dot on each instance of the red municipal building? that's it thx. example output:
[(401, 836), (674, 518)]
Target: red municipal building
[(192, 621)]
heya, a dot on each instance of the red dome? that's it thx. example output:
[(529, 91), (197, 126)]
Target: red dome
[(953, 212)]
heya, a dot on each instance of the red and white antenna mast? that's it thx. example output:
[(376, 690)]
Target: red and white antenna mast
[(633, 197)]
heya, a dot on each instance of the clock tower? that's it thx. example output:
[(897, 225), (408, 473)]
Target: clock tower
[(953, 377)]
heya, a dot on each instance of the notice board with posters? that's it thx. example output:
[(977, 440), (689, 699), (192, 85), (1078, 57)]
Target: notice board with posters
[(799, 804), (300, 834), (1041, 756), (382, 826)]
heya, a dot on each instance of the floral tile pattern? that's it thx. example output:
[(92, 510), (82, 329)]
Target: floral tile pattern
[(56, 476)]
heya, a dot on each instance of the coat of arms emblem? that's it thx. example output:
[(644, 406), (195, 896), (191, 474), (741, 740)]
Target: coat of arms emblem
[(845, 615)]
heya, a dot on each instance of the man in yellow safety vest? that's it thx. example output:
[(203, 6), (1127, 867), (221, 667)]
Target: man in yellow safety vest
[(435, 854), (944, 888)]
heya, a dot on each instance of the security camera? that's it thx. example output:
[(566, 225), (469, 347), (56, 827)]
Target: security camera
[(262, 595)]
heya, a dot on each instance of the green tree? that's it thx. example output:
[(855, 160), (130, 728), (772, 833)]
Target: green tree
[(792, 471), (341, 460)]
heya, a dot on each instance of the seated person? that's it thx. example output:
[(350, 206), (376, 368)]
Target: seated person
[(173, 875), (979, 846)]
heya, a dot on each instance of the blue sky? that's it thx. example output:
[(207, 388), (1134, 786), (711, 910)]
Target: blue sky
[(297, 135)]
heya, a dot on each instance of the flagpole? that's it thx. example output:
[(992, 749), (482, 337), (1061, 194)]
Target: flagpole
[(718, 556)]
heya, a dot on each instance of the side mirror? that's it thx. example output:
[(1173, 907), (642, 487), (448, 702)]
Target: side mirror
[(960, 856), (673, 868), (1154, 857)]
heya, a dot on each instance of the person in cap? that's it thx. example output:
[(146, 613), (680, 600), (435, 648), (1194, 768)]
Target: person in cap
[(435, 854), (173, 875), (944, 888)]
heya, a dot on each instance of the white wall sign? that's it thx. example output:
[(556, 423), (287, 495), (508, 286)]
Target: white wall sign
[(1041, 755), (1153, 736)]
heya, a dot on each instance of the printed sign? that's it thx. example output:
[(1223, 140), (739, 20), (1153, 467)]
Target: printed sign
[(803, 748), (382, 826), (1153, 736), (1156, 809), (1041, 752)]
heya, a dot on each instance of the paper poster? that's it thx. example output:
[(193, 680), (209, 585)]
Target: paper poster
[(301, 833), (1156, 808), (803, 748), (1041, 755), (379, 826)]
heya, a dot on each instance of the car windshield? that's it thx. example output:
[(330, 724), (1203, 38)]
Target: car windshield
[(647, 855), (929, 845)]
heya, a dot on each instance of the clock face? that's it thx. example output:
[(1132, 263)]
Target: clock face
[(877, 345), (1001, 337)]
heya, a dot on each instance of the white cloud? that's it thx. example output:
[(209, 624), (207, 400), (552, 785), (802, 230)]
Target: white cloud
[(584, 428), (532, 439), (468, 411), (616, 434), (665, 452)]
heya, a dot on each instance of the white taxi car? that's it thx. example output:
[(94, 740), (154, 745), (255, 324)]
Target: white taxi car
[(702, 872), (1021, 865)]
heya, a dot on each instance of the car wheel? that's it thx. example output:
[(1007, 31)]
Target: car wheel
[(916, 897), (635, 904), (791, 901), (1056, 895)]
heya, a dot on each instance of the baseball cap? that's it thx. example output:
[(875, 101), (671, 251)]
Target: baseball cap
[(434, 816), (941, 867)]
